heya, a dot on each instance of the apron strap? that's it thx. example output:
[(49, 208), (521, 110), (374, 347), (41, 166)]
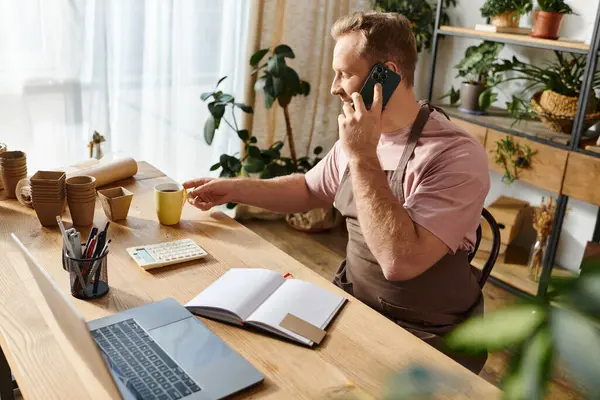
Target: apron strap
[(409, 149)]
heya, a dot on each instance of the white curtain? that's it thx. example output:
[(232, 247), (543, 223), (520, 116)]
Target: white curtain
[(132, 70)]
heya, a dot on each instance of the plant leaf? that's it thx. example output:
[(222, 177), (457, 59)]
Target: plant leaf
[(278, 86), (276, 66), (226, 98), (204, 96), (530, 367), (254, 152), (234, 164), (256, 57), (284, 50), (216, 110), (254, 165), (244, 107), (209, 130), (304, 88), (278, 145), (318, 150), (243, 134), (292, 81), (215, 167), (269, 100), (221, 80), (261, 83), (578, 343), (253, 139), (497, 331)]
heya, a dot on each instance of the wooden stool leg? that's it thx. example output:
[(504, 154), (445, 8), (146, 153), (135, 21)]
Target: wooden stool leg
[(6, 383)]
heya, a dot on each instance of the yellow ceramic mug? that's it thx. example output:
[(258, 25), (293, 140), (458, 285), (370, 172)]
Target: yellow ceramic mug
[(169, 199)]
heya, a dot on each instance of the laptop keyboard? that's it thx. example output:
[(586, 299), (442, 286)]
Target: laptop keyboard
[(142, 364)]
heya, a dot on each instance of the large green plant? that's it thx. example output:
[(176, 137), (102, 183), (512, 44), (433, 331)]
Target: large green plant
[(492, 8), (479, 66), (421, 13), (557, 6), (279, 82)]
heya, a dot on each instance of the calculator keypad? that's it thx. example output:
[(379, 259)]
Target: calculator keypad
[(173, 252)]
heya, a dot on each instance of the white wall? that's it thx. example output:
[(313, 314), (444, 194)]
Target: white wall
[(579, 223)]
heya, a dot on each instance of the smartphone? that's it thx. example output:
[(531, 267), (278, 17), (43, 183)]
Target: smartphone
[(389, 82)]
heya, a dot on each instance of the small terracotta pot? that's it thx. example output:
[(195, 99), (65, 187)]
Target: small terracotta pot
[(547, 25)]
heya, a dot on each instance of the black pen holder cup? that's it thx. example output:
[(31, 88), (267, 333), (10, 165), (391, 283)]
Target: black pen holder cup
[(88, 279)]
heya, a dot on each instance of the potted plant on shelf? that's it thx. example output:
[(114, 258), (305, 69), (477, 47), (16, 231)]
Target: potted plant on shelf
[(505, 13), (478, 69), (553, 90), (548, 18), (278, 82)]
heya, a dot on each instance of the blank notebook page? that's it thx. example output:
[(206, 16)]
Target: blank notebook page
[(302, 299), (239, 290)]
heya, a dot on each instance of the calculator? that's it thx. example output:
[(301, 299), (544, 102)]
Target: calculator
[(168, 253)]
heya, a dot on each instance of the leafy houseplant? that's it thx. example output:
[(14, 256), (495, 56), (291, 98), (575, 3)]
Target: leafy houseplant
[(278, 82), (548, 18), (478, 69), (505, 13), (512, 156), (554, 90), (421, 13)]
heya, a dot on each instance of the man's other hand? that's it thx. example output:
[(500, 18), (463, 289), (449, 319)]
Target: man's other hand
[(359, 128), (207, 193)]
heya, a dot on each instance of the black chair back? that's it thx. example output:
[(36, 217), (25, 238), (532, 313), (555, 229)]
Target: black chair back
[(491, 261)]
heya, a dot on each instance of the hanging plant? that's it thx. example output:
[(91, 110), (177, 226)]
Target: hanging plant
[(512, 157)]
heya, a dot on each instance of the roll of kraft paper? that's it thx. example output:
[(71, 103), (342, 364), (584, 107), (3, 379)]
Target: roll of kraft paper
[(110, 172)]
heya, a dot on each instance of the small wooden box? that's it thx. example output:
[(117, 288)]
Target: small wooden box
[(509, 213)]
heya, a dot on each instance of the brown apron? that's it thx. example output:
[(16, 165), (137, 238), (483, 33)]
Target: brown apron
[(429, 305)]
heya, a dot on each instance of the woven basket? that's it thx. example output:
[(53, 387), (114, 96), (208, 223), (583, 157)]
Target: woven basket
[(558, 116), (564, 106)]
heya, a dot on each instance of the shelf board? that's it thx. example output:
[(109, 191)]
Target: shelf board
[(500, 120), (517, 275), (520, 40)]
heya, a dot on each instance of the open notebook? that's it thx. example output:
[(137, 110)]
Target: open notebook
[(263, 298)]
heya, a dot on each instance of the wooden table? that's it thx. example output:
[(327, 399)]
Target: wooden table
[(358, 355)]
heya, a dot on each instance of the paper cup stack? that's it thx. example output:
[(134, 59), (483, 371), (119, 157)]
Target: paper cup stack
[(3, 148), (13, 165), (48, 194), (81, 196)]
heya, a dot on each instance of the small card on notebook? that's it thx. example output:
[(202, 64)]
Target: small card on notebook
[(297, 310)]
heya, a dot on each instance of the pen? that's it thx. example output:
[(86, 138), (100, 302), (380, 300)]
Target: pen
[(99, 266)]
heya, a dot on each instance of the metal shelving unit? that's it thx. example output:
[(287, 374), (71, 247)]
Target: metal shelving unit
[(586, 86)]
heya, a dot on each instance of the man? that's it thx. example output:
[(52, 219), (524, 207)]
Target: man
[(410, 184)]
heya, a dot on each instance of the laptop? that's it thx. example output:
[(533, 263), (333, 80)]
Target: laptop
[(156, 351)]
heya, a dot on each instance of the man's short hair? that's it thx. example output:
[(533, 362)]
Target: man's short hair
[(388, 37)]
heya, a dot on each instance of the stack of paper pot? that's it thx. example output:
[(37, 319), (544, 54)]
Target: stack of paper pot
[(13, 168), (48, 194), (81, 197)]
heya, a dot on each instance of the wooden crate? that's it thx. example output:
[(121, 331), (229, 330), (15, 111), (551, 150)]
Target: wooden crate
[(582, 178), (547, 165)]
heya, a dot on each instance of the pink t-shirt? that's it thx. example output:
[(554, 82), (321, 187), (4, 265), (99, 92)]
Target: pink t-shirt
[(445, 185)]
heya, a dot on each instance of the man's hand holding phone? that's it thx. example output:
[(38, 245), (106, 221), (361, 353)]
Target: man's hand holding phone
[(359, 128)]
